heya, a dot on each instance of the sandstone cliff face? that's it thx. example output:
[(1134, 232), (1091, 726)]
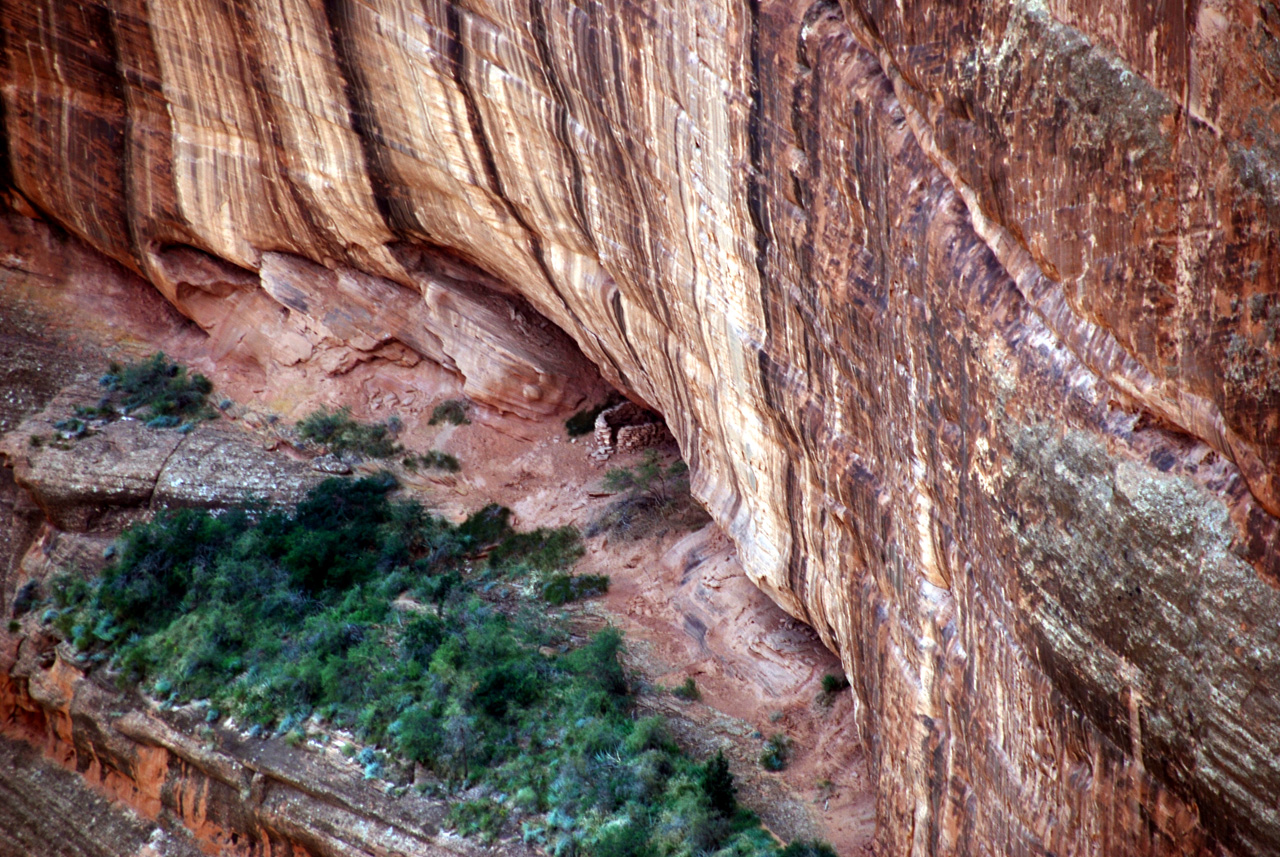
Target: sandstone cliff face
[(965, 317), (123, 469), (235, 796)]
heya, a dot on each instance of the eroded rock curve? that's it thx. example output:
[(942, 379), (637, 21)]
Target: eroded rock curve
[(964, 316)]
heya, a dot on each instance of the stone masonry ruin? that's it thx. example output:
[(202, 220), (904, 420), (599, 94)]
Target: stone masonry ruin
[(627, 428)]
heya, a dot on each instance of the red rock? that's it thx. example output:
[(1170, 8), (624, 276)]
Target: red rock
[(965, 316)]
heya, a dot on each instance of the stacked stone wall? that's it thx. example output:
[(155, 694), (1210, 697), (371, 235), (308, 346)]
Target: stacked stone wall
[(627, 428)]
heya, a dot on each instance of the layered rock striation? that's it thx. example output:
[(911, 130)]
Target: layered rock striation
[(121, 470), (235, 796), (964, 315)]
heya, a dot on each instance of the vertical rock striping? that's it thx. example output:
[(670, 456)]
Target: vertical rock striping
[(965, 316)]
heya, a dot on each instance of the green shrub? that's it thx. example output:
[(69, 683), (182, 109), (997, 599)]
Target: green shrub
[(421, 637), (72, 427), (777, 752), (834, 683), (687, 825), (487, 527), (432, 460), (688, 691), (563, 588), (453, 411), (599, 660), (624, 838), (157, 387), (655, 496), (649, 477), (717, 785), (481, 818), (650, 733), (831, 686), (339, 433), (541, 550), (274, 615)]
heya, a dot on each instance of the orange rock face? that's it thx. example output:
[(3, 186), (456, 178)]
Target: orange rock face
[(234, 796), (966, 317)]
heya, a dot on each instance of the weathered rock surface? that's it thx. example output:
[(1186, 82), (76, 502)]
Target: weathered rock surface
[(965, 316), (123, 466), (234, 795), (45, 809)]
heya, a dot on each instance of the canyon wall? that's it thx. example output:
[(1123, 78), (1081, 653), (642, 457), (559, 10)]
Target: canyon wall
[(965, 317), (235, 796)]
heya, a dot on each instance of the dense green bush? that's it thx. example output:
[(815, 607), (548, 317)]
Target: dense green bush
[(563, 588), (156, 386), (482, 818), (777, 752), (339, 433), (453, 411), (834, 683), (412, 633), (162, 392), (831, 686), (688, 691), (432, 459), (717, 785)]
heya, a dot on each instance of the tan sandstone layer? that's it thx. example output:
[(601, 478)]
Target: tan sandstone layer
[(965, 317)]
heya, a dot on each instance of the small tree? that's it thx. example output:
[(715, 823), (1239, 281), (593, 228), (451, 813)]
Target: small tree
[(337, 431), (653, 496), (453, 411), (647, 479), (717, 785), (459, 735)]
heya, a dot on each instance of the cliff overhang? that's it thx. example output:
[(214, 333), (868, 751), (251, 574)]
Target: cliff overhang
[(965, 318)]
